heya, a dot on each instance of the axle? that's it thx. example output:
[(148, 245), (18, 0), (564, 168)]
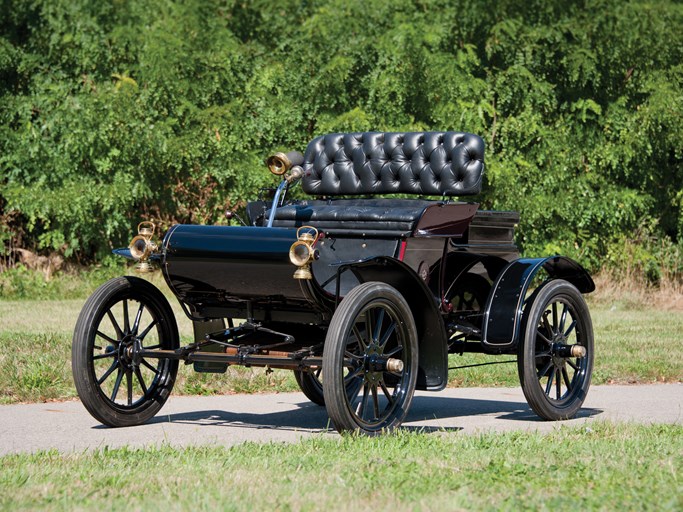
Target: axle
[(242, 359), (283, 362)]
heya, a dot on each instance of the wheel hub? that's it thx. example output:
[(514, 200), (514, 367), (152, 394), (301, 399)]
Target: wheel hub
[(372, 364), (128, 352)]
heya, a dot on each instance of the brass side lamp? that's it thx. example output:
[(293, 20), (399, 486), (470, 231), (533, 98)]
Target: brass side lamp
[(302, 252), (141, 247)]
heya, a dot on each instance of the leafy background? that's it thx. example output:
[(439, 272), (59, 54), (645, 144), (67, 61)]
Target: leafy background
[(114, 112)]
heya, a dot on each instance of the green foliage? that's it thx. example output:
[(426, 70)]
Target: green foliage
[(113, 112)]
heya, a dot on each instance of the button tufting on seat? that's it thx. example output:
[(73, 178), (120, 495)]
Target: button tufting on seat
[(430, 163)]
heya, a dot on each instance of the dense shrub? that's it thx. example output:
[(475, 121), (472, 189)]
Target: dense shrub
[(111, 112)]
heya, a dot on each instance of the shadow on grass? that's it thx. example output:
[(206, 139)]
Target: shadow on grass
[(313, 418)]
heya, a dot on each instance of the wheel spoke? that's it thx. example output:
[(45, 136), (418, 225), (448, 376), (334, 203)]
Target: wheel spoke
[(354, 395), (138, 374), (558, 383), (361, 342), (115, 391), (126, 320), (555, 323), (573, 365), (149, 366), (567, 383), (543, 337), (352, 356), (355, 373), (393, 351), (375, 403), (570, 329), (368, 326), (360, 410), (108, 372), (103, 356), (390, 330), (545, 369), (546, 323), (563, 317), (378, 325), (110, 340), (549, 384), (114, 323), (542, 354), (146, 331), (129, 385), (138, 316), (387, 393)]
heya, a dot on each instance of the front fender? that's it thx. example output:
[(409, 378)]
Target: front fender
[(505, 305), (433, 348)]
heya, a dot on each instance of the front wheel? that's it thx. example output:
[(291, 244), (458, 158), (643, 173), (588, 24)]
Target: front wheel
[(555, 358), (116, 387), (370, 360)]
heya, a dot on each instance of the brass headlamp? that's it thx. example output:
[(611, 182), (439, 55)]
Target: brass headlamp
[(141, 247), (280, 163), (302, 252)]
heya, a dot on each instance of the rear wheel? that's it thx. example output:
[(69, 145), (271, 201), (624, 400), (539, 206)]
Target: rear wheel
[(468, 293), (116, 387), (555, 358), (370, 360), (311, 385)]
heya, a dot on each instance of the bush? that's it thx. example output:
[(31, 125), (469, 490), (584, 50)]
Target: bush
[(115, 112)]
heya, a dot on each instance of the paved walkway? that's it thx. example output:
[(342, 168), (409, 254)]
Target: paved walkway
[(233, 419)]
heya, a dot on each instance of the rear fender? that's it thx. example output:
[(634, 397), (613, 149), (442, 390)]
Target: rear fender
[(433, 350), (505, 305)]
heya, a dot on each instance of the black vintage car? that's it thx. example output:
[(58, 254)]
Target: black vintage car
[(362, 296)]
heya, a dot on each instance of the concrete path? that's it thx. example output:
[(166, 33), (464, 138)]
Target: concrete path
[(233, 419)]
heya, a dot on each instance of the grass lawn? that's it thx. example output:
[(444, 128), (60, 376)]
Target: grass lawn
[(604, 467), (632, 346)]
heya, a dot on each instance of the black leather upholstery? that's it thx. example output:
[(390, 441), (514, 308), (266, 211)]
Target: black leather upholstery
[(389, 216), (426, 163)]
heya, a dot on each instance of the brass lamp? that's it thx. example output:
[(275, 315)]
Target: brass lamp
[(141, 247), (302, 253), (280, 163)]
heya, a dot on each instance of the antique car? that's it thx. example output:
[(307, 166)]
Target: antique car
[(361, 295)]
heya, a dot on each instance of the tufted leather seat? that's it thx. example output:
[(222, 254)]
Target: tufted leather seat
[(425, 163)]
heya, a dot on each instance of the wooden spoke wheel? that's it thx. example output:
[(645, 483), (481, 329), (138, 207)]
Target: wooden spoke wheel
[(555, 358), (370, 360), (118, 388)]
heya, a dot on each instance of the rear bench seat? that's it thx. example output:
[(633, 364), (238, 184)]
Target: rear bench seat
[(371, 163)]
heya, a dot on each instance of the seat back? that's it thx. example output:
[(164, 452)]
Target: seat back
[(424, 163)]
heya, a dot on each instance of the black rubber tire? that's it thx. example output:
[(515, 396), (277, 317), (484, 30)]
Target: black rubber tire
[(388, 319), (98, 316), (311, 386), (537, 360)]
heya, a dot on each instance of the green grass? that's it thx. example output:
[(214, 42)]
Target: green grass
[(638, 346), (35, 360), (631, 347), (601, 467), (20, 283)]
